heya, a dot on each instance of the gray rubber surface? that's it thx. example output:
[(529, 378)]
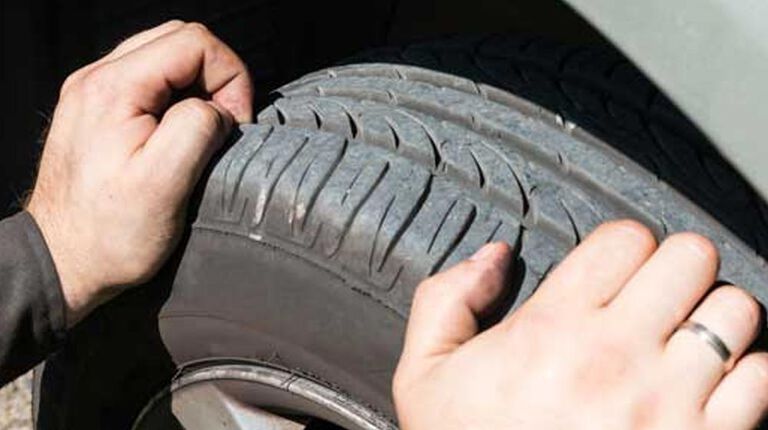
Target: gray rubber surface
[(392, 173), (601, 91)]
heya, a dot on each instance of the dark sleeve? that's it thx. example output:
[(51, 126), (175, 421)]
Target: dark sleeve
[(31, 303)]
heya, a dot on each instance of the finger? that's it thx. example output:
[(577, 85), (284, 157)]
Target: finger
[(140, 39), (446, 306), (598, 268), (192, 54), (183, 143), (731, 314), (741, 399), (665, 290), (124, 47)]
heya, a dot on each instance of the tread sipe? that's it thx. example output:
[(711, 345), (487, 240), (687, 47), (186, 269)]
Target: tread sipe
[(604, 94), (386, 174)]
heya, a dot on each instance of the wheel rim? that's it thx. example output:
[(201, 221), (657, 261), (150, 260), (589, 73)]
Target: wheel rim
[(254, 396)]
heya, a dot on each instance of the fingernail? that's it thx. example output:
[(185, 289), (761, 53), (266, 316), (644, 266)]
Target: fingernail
[(483, 253)]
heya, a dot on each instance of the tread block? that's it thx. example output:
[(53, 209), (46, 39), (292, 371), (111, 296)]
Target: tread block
[(387, 174)]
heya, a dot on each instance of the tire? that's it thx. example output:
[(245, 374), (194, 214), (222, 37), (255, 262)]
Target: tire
[(605, 95), (361, 180)]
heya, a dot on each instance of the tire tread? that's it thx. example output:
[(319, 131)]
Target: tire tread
[(418, 168)]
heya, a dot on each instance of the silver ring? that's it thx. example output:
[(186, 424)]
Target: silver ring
[(709, 337)]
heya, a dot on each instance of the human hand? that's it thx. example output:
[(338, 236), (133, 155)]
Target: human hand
[(121, 158), (596, 347)]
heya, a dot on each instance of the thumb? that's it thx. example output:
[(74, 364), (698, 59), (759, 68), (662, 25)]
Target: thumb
[(188, 135), (446, 307)]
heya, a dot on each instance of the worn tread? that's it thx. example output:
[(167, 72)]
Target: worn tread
[(388, 173), (601, 91)]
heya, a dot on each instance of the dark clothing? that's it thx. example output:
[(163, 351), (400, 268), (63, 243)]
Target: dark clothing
[(32, 321)]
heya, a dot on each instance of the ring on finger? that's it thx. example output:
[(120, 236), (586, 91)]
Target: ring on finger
[(710, 338)]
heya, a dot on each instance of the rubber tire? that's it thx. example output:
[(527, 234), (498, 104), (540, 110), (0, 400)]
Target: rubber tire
[(358, 182), (361, 181)]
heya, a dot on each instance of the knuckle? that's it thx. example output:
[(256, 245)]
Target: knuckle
[(68, 83), (96, 84), (72, 81), (698, 243), (173, 23), (197, 30)]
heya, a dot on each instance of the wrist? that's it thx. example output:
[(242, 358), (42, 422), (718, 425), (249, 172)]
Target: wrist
[(81, 294)]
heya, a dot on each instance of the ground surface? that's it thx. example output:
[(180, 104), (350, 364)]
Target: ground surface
[(15, 401)]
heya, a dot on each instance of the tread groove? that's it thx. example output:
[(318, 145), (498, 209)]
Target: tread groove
[(407, 222), (353, 127), (395, 136), (455, 242), (294, 202), (571, 220), (323, 182), (440, 226), (358, 206), (262, 205), (479, 168), (316, 115), (241, 173), (376, 236)]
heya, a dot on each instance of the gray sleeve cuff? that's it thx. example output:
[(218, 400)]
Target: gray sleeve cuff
[(32, 310)]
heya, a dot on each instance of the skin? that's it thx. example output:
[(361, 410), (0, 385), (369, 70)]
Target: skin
[(121, 156), (595, 347)]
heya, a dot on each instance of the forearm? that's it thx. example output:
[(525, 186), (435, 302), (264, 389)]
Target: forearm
[(32, 320)]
